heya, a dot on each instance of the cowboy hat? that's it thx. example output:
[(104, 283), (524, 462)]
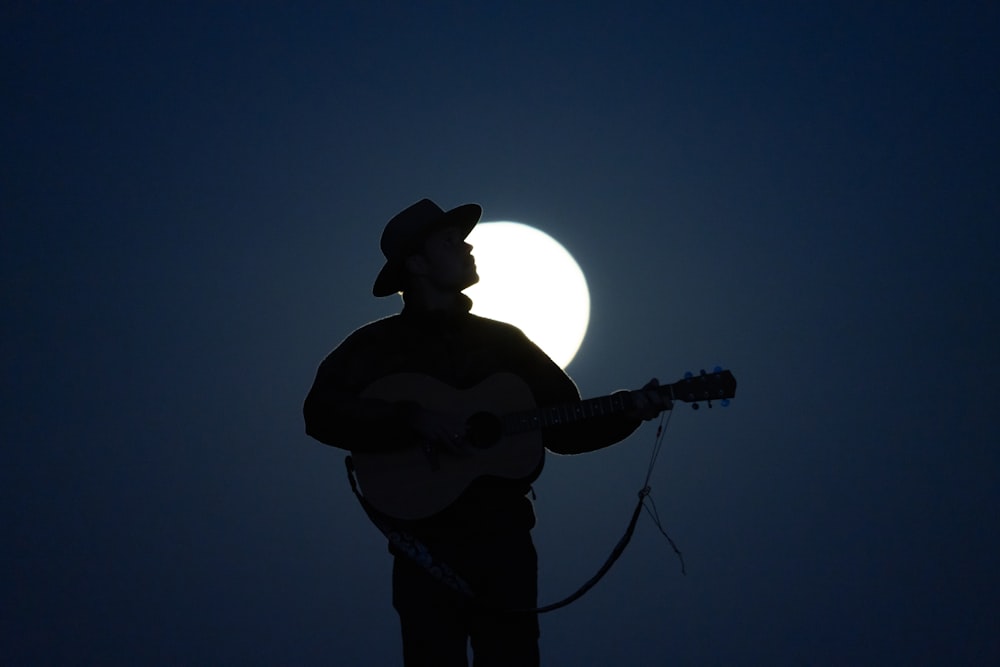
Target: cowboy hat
[(403, 234)]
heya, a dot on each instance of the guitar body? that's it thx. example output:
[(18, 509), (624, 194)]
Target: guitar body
[(409, 484)]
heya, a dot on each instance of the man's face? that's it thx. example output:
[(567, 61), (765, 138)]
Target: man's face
[(447, 260)]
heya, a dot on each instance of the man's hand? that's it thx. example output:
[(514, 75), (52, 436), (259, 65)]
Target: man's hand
[(649, 402)]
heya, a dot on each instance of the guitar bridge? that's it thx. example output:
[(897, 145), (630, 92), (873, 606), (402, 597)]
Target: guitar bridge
[(432, 456)]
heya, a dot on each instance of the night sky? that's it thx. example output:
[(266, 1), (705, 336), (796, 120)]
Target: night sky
[(807, 193)]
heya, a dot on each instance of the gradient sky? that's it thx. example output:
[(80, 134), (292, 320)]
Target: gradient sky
[(806, 193)]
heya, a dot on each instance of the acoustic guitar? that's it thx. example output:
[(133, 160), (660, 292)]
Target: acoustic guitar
[(503, 429)]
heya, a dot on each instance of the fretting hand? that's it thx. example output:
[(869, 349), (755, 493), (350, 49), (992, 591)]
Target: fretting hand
[(649, 402)]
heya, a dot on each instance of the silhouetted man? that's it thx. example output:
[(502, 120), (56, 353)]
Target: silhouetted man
[(395, 394)]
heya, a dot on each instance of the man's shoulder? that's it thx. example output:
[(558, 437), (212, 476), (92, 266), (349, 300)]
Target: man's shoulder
[(376, 329), (364, 348), (498, 326), (366, 335)]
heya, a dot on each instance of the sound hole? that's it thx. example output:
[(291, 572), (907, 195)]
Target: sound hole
[(485, 430)]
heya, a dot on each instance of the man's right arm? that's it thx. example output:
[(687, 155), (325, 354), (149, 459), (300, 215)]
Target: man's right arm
[(335, 412)]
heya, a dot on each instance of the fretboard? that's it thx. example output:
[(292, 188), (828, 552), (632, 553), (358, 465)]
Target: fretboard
[(567, 413)]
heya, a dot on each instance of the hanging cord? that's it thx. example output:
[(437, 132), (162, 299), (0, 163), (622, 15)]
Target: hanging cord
[(647, 496), (644, 496), (590, 583)]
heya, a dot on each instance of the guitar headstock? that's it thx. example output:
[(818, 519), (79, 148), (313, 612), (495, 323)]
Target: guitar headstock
[(718, 385)]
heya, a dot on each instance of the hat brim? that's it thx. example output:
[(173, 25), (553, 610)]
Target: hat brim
[(390, 279)]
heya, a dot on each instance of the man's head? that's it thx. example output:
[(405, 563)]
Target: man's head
[(443, 265), (424, 243)]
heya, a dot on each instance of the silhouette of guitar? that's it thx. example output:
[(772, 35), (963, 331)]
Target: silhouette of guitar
[(503, 429)]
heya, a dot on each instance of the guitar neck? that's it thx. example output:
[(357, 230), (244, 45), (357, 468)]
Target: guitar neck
[(568, 413), (719, 385)]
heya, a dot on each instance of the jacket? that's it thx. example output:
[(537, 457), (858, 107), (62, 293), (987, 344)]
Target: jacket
[(461, 350)]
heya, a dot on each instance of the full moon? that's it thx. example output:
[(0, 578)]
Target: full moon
[(530, 280)]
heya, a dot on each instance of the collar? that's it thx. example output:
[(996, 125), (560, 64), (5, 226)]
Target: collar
[(459, 308)]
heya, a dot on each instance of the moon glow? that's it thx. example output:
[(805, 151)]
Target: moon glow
[(530, 280)]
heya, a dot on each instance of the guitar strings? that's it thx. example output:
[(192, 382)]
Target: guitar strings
[(647, 498)]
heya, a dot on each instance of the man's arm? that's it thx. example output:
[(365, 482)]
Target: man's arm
[(551, 385), (335, 412)]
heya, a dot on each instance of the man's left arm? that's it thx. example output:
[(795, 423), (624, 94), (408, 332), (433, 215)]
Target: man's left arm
[(551, 385)]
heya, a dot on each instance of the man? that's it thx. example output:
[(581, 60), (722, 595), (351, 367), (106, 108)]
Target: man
[(483, 535)]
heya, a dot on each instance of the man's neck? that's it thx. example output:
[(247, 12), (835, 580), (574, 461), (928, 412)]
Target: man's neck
[(435, 300)]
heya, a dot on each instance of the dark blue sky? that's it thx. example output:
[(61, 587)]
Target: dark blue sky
[(804, 192)]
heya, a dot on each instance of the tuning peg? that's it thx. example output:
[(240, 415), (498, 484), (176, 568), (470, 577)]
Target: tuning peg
[(717, 369), (725, 402), (695, 406), (688, 375)]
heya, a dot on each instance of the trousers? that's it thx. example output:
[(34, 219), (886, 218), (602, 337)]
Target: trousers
[(439, 624)]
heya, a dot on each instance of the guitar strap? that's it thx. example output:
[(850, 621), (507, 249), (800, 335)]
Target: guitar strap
[(408, 545), (400, 541), (615, 553)]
